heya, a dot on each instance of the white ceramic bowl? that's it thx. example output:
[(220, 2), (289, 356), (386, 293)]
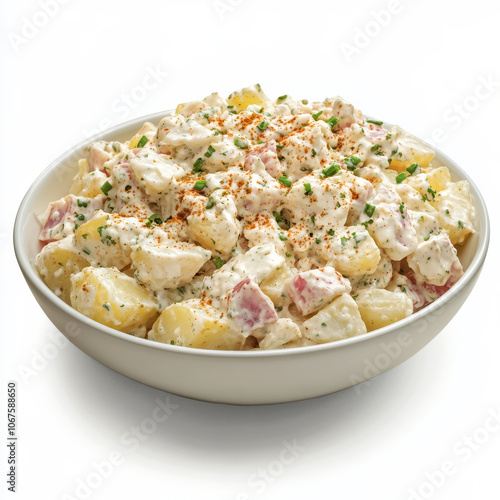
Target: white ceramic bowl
[(230, 376)]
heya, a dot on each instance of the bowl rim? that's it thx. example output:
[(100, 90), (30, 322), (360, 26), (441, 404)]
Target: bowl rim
[(35, 280)]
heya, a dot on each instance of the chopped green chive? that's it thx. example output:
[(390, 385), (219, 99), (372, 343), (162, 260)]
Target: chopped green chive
[(369, 209), (351, 162), (400, 177), (84, 236), (313, 220), (81, 203), (218, 262), (153, 218), (460, 224), (210, 152), (307, 188), (401, 209), (388, 136), (106, 187), (375, 122), (210, 203), (331, 170), (282, 97), (240, 143), (376, 147), (106, 306), (331, 232), (285, 181), (198, 164), (318, 241), (314, 152), (216, 132), (86, 250), (343, 240), (432, 192), (200, 184), (79, 216), (411, 169), (278, 217), (317, 115), (338, 205), (142, 141), (305, 101), (263, 125), (332, 121), (282, 236)]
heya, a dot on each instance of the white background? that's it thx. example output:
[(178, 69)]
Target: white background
[(83, 67)]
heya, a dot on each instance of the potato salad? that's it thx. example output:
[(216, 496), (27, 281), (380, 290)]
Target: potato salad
[(248, 223)]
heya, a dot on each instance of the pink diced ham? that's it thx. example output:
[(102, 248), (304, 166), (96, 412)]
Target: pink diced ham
[(249, 307), (62, 215), (423, 293), (375, 132), (312, 290), (97, 156), (269, 157)]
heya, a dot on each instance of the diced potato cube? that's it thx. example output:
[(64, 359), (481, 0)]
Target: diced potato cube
[(274, 285), (77, 186), (351, 251), (279, 333), (340, 320), (411, 150), (215, 231), (455, 211), (379, 307), (194, 323), (168, 265), (243, 98), (56, 263), (102, 248), (438, 178), (113, 299)]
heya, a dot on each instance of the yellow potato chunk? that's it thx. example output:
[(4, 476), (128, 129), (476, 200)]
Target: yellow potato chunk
[(439, 178), (194, 323), (339, 320), (161, 266), (379, 307), (148, 129), (102, 247), (410, 150), (455, 211), (214, 231), (56, 263), (351, 251), (243, 98), (273, 285), (113, 299)]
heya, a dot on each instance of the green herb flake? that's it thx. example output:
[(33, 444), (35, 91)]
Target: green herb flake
[(376, 147), (460, 224), (317, 115), (278, 217), (331, 232), (285, 181), (200, 184), (210, 203), (282, 97), (282, 236), (86, 250), (331, 170), (343, 240), (142, 141), (81, 203), (198, 164), (318, 241), (210, 152), (369, 209), (332, 121), (375, 122), (400, 177), (218, 262), (240, 143), (263, 125), (314, 152), (307, 188), (351, 162), (79, 216), (411, 169), (106, 187), (106, 306)]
